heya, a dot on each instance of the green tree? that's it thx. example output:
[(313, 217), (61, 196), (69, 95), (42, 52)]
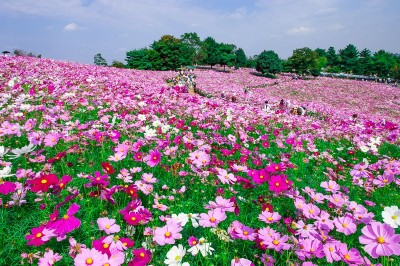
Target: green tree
[(268, 62), (210, 49), (99, 60), (383, 63), (332, 64), (349, 59), (191, 47), (117, 64), (241, 58), (304, 61), (143, 59), (227, 56), (365, 62), (171, 51)]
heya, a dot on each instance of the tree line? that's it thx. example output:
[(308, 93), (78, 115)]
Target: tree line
[(171, 53)]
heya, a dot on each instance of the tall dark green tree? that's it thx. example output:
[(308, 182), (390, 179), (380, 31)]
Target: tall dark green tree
[(365, 62), (349, 59), (241, 58), (210, 49), (268, 62), (332, 64), (304, 61), (99, 60), (227, 56)]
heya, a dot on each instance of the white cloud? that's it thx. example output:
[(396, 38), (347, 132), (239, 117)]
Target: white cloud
[(299, 30), (71, 27)]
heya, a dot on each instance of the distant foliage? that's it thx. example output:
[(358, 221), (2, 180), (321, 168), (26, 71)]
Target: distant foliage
[(99, 60)]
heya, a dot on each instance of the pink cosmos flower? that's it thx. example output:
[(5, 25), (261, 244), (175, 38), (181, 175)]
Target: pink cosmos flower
[(351, 257), (108, 225), (212, 218), (276, 242), (168, 233), (330, 186), (311, 211), (75, 247), (345, 225), (331, 251), (153, 158), (380, 240), (241, 262), (90, 257), (225, 177), (269, 217), (323, 222), (312, 248), (35, 238), (49, 258), (51, 139), (225, 205)]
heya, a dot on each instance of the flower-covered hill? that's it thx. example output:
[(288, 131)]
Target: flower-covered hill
[(339, 97), (103, 166)]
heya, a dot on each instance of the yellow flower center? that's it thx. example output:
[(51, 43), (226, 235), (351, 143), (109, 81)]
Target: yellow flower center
[(394, 217), (133, 218), (212, 219), (344, 225), (331, 249), (261, 176), (107, 226), (277, 184), (141, 254), (269, 219), (380, 240), (275, 242), (105, 245), (194, 242), (167, 234), (245, 233), (65, 216), (39, 235), (177, 258), (89, 261), (347, 257), (44, 181)]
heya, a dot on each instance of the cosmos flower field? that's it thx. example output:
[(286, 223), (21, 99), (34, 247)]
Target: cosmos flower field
[(107, 166)]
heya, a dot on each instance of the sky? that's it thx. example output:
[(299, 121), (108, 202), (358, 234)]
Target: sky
[(76, 30)]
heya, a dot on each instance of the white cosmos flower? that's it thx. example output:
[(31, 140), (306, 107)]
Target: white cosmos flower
[(3, 151), (5, 172), (364, 148), (182, 218), (391, 216), (18, 152), (203, 247), (175, 256)]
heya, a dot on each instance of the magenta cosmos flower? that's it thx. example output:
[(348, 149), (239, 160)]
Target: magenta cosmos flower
[(153, 158), (278, 183), (168, 233), (241, 262), (380, 240), (68, 222)]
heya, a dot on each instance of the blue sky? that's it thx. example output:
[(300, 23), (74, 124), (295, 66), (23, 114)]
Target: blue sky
[(75, 30)]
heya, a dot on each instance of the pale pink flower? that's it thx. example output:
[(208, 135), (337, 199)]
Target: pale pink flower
[(212, 218), (108, 225)]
